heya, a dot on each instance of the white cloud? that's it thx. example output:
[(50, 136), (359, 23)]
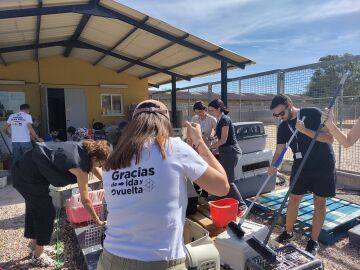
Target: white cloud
[(227, 21)]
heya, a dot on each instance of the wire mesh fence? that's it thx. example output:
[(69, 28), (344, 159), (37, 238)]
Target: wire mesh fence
[(313, 85)]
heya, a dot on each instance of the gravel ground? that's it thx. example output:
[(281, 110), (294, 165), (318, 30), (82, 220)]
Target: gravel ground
[(13, 246), (13, 251)]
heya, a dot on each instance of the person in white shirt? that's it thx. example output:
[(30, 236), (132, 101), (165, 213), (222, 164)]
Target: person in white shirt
[(145, 191), (19, 128), (206, 121)]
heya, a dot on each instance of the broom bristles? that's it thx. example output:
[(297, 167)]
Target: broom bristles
[(263, 250), (236, 229)]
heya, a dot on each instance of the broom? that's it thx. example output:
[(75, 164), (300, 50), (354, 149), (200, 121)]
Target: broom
[(262, 248), (236, 228)]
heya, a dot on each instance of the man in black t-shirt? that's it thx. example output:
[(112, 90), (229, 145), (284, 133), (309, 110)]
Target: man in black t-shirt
[(318, 175)]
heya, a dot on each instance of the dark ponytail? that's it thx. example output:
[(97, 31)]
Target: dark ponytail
[(218, 103)]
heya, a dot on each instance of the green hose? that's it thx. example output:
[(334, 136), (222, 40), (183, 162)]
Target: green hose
[(57, 239)]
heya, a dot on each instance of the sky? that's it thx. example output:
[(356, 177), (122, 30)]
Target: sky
[(275, 34)]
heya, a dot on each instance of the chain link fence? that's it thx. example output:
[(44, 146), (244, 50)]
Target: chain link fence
[(313, 85)]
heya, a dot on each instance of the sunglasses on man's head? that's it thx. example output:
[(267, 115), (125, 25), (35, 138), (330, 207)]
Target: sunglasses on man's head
[(280, 113)]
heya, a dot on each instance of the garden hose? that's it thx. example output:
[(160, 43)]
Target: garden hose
[(58, 263)]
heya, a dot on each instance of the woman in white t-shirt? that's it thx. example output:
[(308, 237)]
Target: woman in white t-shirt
[(145, 191)]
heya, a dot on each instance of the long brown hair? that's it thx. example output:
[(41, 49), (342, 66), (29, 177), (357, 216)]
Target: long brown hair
[(142, 127)]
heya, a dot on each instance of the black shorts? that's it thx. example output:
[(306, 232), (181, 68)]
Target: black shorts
[(321, 183)]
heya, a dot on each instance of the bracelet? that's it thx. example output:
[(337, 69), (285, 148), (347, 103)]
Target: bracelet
[(196, 147)]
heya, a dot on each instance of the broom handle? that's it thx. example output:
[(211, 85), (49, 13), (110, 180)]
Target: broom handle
[(302, 164), (276, 165)]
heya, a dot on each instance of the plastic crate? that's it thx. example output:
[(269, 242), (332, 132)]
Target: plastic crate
[(75, 210), (59, 195), (288, 257), (250, 136)]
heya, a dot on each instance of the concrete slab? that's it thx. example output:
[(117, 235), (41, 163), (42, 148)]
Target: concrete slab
[(10, 196)]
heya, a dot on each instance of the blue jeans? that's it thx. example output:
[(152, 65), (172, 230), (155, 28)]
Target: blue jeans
[(19, 149)]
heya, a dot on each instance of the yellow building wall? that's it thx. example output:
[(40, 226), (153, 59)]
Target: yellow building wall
[(61, 72)]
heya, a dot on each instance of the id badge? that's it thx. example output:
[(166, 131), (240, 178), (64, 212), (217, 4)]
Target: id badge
[(298, 155)]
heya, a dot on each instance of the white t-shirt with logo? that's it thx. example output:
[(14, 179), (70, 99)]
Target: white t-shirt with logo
[(19, 130), (147, 203)]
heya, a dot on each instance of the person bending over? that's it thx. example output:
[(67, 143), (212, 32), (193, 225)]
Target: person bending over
[(58, 164)]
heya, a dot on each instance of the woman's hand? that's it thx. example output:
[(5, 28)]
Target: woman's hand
[(194, 133), (100, 223), (327, 117)]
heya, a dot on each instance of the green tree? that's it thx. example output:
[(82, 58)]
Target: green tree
[(325, 79)]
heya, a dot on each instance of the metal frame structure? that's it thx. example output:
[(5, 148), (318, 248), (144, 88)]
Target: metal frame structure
[(94, 8)]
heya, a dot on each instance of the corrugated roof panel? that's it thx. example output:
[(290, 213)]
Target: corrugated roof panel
[(159, 78), (47, 52), (51, 34), (233, 55), (138, 71), (105, 31), (124, 9), (173, 55), (87, 55), (202, 43), (63, 2), (13, 4), (18, 56), (112, 63), (165, 27), (140, 44), (197, 67), (17, 24), (60, 20), (58, 26), (18, 38)]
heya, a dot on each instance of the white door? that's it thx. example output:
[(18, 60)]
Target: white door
[(75, 108)]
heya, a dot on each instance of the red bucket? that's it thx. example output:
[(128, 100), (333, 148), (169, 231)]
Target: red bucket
[(223, 211)]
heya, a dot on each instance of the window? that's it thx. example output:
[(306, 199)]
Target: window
[(112, 105)]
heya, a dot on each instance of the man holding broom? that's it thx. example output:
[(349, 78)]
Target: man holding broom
[(318, 175)]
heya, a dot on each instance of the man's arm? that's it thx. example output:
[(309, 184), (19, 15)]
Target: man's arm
[(33, 133), (324, 136), (279, 148)]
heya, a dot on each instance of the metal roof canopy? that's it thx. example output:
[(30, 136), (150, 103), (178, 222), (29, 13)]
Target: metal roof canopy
[(112, 35)]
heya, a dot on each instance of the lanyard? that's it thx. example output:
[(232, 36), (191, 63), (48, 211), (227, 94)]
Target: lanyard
[(293, 131)]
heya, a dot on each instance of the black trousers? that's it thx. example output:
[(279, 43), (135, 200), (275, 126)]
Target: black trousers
[(39, 211), (228, 158)]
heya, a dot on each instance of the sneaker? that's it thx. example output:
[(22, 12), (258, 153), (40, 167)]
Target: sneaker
[(241, 211), (43, 261), (284, 237), (312, 247), (48, 250)]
